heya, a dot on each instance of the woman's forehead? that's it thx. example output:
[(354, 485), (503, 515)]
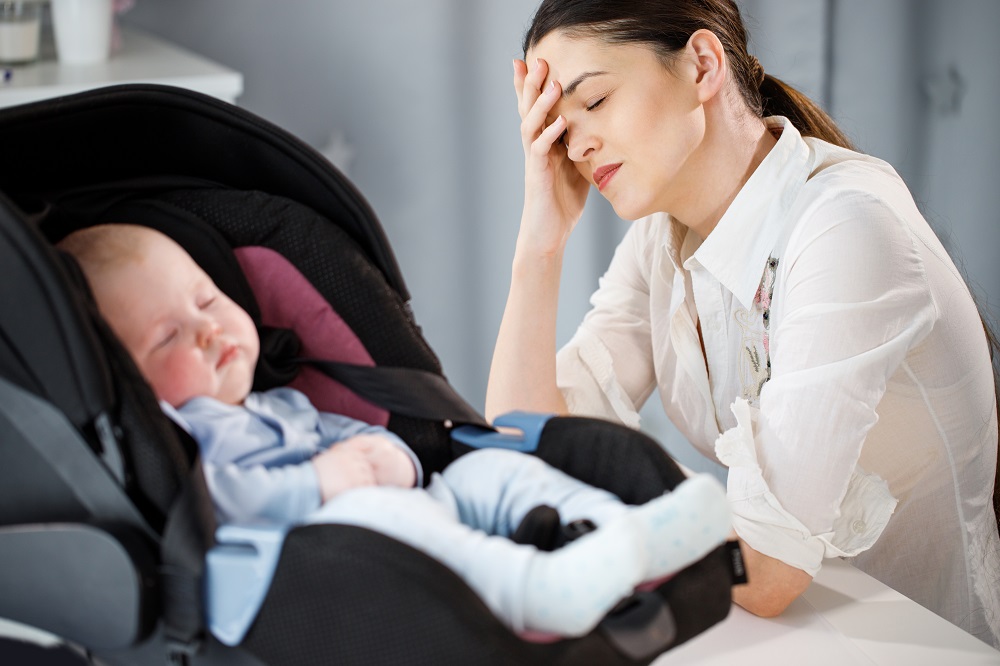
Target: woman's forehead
[(559, 48), (569, 57)]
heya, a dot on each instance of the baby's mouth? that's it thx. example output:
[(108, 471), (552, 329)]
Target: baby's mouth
[(228, 354)]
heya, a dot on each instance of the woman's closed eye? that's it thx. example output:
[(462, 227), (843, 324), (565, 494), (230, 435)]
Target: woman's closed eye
[(589, 107), (594, 105)]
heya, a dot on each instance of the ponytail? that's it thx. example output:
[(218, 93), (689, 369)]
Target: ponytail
[(780, 99)]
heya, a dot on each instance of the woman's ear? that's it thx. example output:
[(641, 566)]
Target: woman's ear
[(709, 58)]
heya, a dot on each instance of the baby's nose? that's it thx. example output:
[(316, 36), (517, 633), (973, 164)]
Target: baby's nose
[(206, 333)]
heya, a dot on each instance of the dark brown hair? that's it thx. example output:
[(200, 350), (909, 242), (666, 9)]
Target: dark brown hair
[(666, 26)]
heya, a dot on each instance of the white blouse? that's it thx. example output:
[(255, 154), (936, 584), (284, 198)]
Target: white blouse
[(845, 380)]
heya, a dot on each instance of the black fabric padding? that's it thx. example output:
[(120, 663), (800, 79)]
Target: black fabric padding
[(323, 608), (275, 366), (700, 595), (608, 455)]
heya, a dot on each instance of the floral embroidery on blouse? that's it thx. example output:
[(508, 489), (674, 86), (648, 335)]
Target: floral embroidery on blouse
[(755, 361)]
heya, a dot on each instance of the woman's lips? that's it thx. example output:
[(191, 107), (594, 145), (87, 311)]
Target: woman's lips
[(604, 174)]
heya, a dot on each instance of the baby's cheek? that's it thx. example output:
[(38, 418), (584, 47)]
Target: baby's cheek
[(178, 378)]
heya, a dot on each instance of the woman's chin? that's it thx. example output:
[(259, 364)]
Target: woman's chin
[(629, 211)]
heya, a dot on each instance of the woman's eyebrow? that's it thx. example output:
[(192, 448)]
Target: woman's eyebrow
[(571, 88)]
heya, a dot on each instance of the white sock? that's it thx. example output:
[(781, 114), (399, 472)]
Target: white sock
[(567, 592), (682, 530)]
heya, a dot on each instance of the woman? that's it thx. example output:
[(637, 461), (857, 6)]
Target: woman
[(799, 319)]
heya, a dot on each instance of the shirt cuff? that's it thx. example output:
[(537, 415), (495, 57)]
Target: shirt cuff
[(767, 527)]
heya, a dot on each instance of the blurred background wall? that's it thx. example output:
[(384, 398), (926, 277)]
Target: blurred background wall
[(413, 100)]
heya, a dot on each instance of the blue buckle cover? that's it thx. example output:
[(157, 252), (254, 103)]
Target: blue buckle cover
[(530, 424)]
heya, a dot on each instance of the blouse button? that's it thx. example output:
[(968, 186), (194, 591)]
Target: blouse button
[(858, 526)]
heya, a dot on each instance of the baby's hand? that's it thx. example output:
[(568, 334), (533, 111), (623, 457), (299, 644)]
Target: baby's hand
[(341, 468), (390, 464)]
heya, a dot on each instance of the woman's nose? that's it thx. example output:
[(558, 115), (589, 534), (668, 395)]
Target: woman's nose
[(579, 146)]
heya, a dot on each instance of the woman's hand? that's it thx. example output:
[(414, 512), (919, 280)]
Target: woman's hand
[(554, 191)]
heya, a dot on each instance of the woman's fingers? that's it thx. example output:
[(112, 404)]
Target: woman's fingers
[(528, 84), (520, 72), (533, 123), (535, 104), (543, 144)]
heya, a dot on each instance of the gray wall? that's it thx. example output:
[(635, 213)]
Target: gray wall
[(414, 100)]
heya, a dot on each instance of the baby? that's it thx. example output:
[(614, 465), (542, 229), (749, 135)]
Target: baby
[(272, 458)]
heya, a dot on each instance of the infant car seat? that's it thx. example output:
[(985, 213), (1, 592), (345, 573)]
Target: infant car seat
[(104, 516)]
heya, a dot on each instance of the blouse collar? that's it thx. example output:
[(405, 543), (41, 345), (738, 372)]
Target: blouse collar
[(736, 251)]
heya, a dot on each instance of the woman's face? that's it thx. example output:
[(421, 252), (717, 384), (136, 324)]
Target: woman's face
[(634, 126)]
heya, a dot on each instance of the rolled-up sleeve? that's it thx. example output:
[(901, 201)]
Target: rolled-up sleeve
[(606, 369), (765, 525)]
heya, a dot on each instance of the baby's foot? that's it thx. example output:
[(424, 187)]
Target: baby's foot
[(569, 591), (683, 526)]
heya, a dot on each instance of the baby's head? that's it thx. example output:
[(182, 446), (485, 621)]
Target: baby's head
[(186, 336)]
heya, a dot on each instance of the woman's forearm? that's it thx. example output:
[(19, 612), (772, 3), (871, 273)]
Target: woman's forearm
[(523, 372)]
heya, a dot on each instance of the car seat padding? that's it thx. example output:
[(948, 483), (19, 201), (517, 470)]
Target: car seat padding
[(288, 301)]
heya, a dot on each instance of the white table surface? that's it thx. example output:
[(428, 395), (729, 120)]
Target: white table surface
[(142, 58), (844, 617)]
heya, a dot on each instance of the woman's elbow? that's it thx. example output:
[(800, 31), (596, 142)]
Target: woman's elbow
[(770, 604), (772, 587)]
